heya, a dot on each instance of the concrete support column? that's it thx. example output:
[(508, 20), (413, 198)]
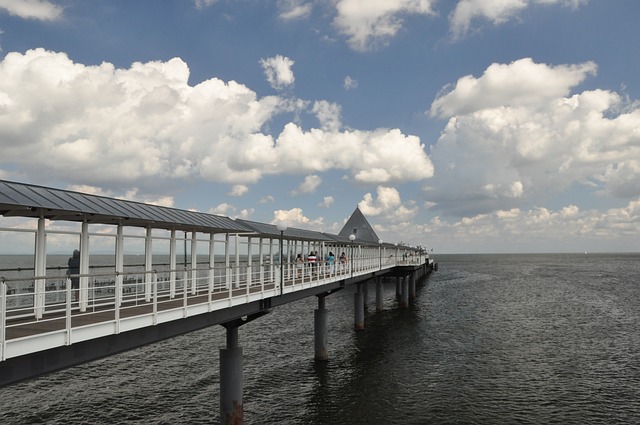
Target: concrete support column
[(320, 330), (404, 303), (365, 293), (358, 308), (398, 288), (412, 286), (231, 411), (379, 300)]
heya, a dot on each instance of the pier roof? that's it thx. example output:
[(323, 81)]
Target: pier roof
[(271, 230), (26, 200)]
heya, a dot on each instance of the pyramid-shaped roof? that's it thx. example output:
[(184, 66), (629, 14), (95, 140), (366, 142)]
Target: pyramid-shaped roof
[(359, 226)]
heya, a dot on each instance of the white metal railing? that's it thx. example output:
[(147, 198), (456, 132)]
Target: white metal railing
[(111, 303)]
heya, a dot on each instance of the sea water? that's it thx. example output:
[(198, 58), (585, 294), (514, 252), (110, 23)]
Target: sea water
[(490, 339)]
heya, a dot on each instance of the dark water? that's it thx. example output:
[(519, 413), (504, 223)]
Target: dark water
[(491, 339)]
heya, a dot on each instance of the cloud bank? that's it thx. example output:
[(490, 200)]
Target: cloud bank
[(516, 136), (40, 10), (146, 124)]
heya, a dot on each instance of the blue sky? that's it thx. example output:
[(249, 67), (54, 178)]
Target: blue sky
[(465, 126)]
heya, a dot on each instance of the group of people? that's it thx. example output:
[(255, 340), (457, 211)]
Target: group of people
[(315, 263)]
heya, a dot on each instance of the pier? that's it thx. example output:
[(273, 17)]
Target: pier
[(146, 273)]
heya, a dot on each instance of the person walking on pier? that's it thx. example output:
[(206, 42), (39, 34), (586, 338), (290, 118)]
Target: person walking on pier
[(299, 265), (343, 262), (73, 272), (312, 258), (330, 261)]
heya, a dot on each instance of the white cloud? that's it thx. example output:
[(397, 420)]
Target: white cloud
[(327, 201), (622, 179), (520, 83), (278, 71), (238, 190), (290, 10), (350, 83), (267, 199), (388, 206), (328, 114), (201, 4), (497, 12), (381, 156), (146, 126), (367, 23), (538, 229), (309, 185), (296, 218), (41, 10), (134, 195), (245, 213), (500, 150), (229, 210), (224, 209)]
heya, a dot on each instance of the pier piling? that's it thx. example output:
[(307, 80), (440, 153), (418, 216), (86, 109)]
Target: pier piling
[(358, 308), (404, 303), (320, 330), (379, 300), (231, 411)]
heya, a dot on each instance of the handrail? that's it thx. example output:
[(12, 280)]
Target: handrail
[(119, 299)]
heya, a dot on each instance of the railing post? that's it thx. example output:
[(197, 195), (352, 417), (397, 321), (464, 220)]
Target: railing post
[(154, 282), (69, 292), (172, 265), (194, 263), (212, 272), (118, 299), (185, 279), (3, 319), (212, 267), (39, 283)]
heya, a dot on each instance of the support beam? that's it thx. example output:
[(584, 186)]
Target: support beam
[(398, 287)]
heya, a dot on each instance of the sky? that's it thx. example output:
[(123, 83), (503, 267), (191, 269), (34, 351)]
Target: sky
[(465, 126)]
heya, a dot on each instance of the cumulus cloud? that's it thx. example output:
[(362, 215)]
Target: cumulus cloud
[(296, 218), (278, 71), (540, 229), (328, 114), (309, 185), (367, 24), (238, 190), (496, 12), (501, 151), (201, 4), (290, 10), (388, 205), (266, 199), (350, 83), (380, 156), (519, 83), (41, 10), (327, 201), (224, 209), (145, 125)]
